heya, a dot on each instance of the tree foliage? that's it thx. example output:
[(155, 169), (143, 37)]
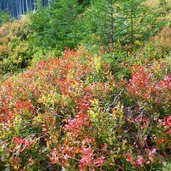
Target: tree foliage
[(4, 17), (59, 25)]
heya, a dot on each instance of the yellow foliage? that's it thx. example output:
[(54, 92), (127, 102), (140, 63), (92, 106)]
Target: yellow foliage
[(98, 63), (117, 111), (124, 145), (93, 112), (50, 99)]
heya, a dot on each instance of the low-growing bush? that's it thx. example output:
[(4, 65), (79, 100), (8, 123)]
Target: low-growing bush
[(15, 50), (71, 114)]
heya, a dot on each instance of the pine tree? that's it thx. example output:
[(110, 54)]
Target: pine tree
[(136, 18), (64, 22), (58, 26), (114, 21), (104, 20)]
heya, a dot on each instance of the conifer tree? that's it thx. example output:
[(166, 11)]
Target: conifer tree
[(64, 23), (118, 21), (135, 18), (58, 26), (104, 20)]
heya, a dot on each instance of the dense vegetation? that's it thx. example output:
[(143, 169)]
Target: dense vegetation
[(86, 85)]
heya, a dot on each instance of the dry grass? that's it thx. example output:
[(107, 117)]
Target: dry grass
[(152, 3), (168, 16), (155, 3)]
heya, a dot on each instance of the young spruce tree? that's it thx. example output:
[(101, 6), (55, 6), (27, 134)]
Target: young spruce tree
[(64, 22), (104, 20)]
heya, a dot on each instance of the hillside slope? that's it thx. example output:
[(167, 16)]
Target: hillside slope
[(100, 105)]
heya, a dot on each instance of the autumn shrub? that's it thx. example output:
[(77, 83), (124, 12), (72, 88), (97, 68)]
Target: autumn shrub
[(15, 49), (150, 88), (70, 113), (42, 103), (158, 47), (164, 39)]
